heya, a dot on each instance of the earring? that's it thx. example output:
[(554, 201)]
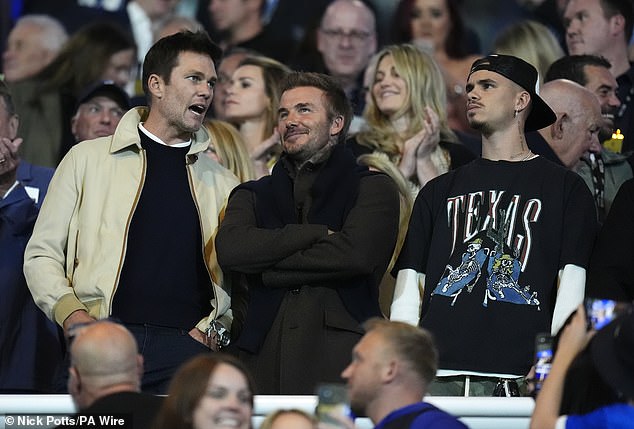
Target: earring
[(515, 113)]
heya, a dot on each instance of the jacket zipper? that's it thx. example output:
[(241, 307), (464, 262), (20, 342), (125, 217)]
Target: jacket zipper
[(202, 237)]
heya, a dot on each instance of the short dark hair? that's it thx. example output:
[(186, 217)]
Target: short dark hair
[(572, 67), (622, 7), (163, 55), (412, 344), (338, 103)]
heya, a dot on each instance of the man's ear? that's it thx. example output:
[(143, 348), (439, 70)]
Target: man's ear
[(156, 85), (389, 371), (320, 41), (73, 125), (557, 128), (337, 125), (139, 366), (14, 123), (616, 25), (522, 101), (74, 381)]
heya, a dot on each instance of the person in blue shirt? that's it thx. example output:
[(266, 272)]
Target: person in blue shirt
[(29, 346), (391, 367)]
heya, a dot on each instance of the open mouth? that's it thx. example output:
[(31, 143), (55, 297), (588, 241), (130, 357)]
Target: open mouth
[(198, 109), (228, 422), (388, 93)]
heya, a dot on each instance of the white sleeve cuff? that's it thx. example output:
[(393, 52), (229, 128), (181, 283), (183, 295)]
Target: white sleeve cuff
[(570, 292), (561, 422), (407, 296)]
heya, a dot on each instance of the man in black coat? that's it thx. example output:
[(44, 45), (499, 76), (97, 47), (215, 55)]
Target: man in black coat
[(311, 241)]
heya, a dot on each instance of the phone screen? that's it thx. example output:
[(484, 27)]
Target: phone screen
[(543, 358), (332, 399), (600, 312)]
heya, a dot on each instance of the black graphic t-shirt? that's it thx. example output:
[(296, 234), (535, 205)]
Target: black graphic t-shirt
[(491, 238)]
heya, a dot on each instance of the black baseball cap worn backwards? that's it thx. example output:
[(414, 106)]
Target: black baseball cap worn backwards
[(525, 75)]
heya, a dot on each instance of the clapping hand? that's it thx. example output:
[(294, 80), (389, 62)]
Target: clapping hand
[(421, 145)]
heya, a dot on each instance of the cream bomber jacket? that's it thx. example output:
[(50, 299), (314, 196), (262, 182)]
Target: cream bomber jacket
[(74, 258)]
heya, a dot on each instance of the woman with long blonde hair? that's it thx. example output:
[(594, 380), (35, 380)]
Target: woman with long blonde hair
[(227, 147), (406, 116), (406, 133), (531, 41)]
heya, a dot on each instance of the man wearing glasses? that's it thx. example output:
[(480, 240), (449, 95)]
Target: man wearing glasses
[(347, 39)]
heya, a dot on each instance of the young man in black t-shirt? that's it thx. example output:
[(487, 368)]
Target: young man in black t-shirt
[(499, 246)]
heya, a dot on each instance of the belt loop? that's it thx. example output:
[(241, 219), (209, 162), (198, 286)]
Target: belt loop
[(467, 385)]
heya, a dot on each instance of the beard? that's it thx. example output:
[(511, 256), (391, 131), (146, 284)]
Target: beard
[(482, 127), (318, 140)]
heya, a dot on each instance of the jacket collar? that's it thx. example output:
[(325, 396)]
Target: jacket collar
[(127, 133)]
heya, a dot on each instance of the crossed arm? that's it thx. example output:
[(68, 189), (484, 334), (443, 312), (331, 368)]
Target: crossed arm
[(308, 253)]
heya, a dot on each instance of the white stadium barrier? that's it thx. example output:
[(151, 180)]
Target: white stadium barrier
[(477, 413)]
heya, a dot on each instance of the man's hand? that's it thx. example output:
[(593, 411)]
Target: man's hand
[(202, 338), (77, 317), (575, 337), (9, 162)]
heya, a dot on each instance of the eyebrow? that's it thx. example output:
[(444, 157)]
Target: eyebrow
[(487, 80), (606, 86), (296, 107), (200, 74)]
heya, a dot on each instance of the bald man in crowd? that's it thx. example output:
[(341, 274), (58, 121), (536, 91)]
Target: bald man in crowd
[(602, 169), (105, 373), (577, 126)]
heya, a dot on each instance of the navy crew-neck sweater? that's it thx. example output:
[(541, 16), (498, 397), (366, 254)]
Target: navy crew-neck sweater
[(164, 280)]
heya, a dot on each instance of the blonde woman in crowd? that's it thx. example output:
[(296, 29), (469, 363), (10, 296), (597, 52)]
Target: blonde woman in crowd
[(251, 103), (531, 41), (406, 133), (406, 117), (227, 147)]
